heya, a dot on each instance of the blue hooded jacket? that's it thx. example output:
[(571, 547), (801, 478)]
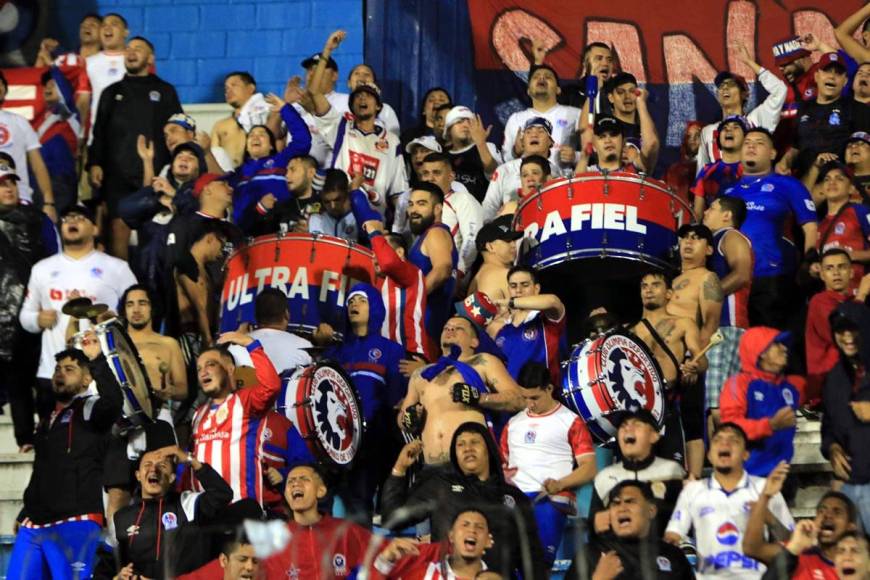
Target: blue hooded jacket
[(372, 361)]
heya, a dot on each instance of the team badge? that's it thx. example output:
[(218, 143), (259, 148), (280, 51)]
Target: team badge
[(530, 334), (267, 433), (154, 96), (840, 229), (834, 119), (509, 501), (97, 272), (631, 375), (531, 436), (221, 414), (170, 521), (663, 563), (375, 354), (789, 398), (337, 417), (810, 205), (339, 562), (767, 187)]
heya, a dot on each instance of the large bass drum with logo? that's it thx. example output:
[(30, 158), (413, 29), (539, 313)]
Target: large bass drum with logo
[(619, 224), (609, 374), (125, 364), (322, 403)]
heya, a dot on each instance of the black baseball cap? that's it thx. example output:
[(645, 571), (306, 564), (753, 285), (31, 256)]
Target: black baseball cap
[(640, 414), (699, 230), (607, 124), (315, 58), (501, 228), (81, 210), (619, 80)]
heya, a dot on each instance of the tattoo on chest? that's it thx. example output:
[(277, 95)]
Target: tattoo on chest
[(665, 328), (681, 284)]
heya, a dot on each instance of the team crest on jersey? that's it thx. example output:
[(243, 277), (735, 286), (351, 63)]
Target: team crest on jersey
[(269, 163), (382, 145), (531, 436), (375, 354), (293, 573), (663, 563), (97, 272), (500, 342), (840, 229), (337, 418), (267, 434), (66, 416), (4, 135), (509, 501), (339, 562), (767, 187), (810, 205), (834, 119), (530, 334), (221, 414), (170, 521), (154, 96), (789, 398)]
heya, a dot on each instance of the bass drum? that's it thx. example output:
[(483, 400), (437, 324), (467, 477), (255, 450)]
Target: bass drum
[(322, 403), (609, 374)]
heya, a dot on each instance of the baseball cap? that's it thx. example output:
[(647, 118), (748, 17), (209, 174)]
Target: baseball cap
[(831, 59), (832, 165), (369, 88), (501, 228), (739, 119), (182, 120), (7, 172), (478, 308), (699, 230), (315, 58), (619, 80), (862, 136), (638, 413), (726, 75), (427, 141), (607, 124), (539, 122), (789, 50), (82, 210), (455, 115), (203, 180)]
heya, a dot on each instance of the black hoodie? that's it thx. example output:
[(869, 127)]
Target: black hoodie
[(839, 422), (442, 493)]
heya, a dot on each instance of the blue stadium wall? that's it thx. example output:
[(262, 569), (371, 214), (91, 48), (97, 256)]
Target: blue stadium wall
[(199, 41)]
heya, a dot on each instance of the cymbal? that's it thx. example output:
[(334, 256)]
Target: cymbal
[(83, 308)]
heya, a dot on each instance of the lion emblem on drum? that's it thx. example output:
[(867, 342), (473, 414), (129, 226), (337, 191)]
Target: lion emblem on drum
[(336, 415), (630, 375)]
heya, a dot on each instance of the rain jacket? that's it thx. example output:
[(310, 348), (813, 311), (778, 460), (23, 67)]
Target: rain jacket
[(751, 397)]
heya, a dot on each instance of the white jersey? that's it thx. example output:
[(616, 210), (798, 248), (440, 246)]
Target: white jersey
[(104, 69), (97, 276), (387, 118), (323, 223), (541, 447), (284, 349), (378, 155), (464, 216), (320, 149), (17, 137), (719, 520), (564, 120), (764, 115), (504, 187)]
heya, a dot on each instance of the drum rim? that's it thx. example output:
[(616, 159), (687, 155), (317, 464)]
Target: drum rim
[(100, 329), (302, 237), (630, 255)]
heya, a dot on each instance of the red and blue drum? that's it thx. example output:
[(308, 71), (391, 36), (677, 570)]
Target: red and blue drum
[(314, 271), (323, 405), (621, 223), (610, 374)]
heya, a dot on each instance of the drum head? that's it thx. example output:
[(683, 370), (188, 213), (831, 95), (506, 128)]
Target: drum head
[(333, 413), (124, 362)]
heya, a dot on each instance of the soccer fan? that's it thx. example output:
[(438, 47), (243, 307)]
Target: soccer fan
[(229, 135), (637, 435), (432, 98), (361, 74), (846, 421), (26, 236), (416, 151), (715, 508), (857, 157), (762, 399), (471, 157), (632, 548), (846, 224), (138, 104), (732, 92), (160, 511), (59, 526), (22, 145), (533, 328), (822, 354), (770, 199), (106, 67), (732, 262), (320, 545), (681, 175), (59, 131), (547, 453), (718, 175), (461, 557), (608, 143), (599, 62), (793, 59), (536, 139), (335, 217), (79, 270), (852, 560), (630, 109), (810, 551), (474, 480), (223, 425), (845, 34), (497, 245)]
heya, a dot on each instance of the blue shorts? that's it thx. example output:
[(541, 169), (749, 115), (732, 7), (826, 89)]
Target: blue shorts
[(62, 552), (551, 526)]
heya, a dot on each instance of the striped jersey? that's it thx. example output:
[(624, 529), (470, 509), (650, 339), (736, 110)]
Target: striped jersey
[(735, 308), (403, 290), (227, 436)]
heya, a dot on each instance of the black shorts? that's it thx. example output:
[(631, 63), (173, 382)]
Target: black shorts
[(692, 410), (117, 467), (771, 301)]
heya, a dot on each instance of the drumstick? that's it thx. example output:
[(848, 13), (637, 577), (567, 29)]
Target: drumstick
[(164, 370), (714, 340)]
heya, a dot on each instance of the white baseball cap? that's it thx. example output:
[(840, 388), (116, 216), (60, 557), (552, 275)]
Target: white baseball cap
[(455, 115), (427, 141)]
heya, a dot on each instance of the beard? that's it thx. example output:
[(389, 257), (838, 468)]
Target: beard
[(140, 325), (418, 228), (611, 158)]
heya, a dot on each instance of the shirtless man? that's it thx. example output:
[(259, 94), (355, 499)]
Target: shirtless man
[(160, 354), (697, 294), (197, 313), (679, 335), (229, 133), (448, 399), (496, 242)]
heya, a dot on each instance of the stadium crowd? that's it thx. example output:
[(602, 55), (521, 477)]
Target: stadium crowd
[(471, 455)]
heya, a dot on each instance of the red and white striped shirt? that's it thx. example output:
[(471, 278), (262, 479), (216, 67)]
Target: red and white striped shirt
[(430, 563), (403, 288), (227, 436)]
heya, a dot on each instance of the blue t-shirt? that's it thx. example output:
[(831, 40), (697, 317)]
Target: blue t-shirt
[(769, 201)]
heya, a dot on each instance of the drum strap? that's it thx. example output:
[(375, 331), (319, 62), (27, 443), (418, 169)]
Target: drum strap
[(657, 337)]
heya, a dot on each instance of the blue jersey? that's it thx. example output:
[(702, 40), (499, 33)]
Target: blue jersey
[(536, 339), (770, 200), (439, 302)]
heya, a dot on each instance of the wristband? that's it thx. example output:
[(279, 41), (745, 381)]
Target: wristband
[(511, 304), (49, 203)]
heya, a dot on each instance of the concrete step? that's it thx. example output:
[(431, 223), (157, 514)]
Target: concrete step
[(7, 434), (10, 505), (15, 469)]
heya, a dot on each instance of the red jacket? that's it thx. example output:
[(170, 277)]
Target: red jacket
[(211, 571), (331, 548), (428, 564), (822, 353)]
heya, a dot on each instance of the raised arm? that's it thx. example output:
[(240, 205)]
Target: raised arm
[(260, 397), (649, 137), (843, 33), (321, 104), (754, 544)]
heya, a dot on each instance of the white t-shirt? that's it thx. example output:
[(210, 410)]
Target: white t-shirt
[(104, 68), (563, 118), (719, 520), (17, 137), (97, 276), (504, 186), (464, 216), (284, 349)]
